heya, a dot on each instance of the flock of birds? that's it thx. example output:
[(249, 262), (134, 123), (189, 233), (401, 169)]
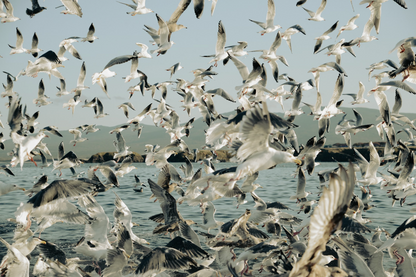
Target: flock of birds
[(330, 242)]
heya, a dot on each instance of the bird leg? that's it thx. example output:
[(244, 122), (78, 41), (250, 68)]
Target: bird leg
[(297, 233), (3, 263), (234, 255), (95, 264), (245, 270), (32, 160), (406, 75), (400, 258), (204, 189), (29, 223)]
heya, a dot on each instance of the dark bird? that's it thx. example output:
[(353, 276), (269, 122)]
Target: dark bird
[(36, 8)]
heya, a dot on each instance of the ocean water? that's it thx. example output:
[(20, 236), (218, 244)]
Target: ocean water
[(278, 184)]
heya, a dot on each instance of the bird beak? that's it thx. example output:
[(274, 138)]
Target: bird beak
[(298, 162), (22, 189)]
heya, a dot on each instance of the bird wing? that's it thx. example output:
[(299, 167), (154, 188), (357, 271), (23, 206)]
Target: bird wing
[(339, 86), (164, 30), (255, 130), (327, 216), (221, 38), (182, 6)]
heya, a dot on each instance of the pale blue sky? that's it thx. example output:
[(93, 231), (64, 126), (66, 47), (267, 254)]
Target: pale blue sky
[(118, 33)]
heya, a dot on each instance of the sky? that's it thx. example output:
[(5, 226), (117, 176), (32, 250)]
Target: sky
[(118, 33)]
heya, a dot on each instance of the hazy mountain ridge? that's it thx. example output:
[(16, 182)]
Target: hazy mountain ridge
[(102, 141)]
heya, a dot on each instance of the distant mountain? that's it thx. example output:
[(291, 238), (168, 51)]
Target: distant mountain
[(102, 141)]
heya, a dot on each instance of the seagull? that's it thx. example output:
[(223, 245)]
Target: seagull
[(359, 97), (350, 25), (134, 73), (316, 16), (100, 79), (42, 99), (26, 145), (208, 213), (125, 107), (323, 37), (19, 44), (99, 109), (220, 54), (38, 186), (375, 8), (287, 35), (74, 101), (370, 177), (174, 68), (398, 84), (381, 65), (71, 49), (36, 8), (48, 62), (77, 136), (268, 26), (81, 78), (407, 59), (164, 43), (163, 258), (316, 71), (121, 147), (139, 118), (143, 53), (331, 109), (138, 187), (365, 37), (9, 13), (139, 7), (34, 50), (16, 263), (271, 57), (6, 188), (72, 7), (238, 50), (8, 90), (90, 35), (120, 129), (255, 130), (62, 89), (172, 22)]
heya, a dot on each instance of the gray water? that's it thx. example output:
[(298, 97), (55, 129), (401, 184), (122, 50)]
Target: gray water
[(278, 185)]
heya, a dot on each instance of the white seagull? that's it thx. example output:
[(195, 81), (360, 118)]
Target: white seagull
[(268, 26), (316, 16)]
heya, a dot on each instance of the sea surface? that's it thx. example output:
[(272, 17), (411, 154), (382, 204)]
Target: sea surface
[(278, 184)]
